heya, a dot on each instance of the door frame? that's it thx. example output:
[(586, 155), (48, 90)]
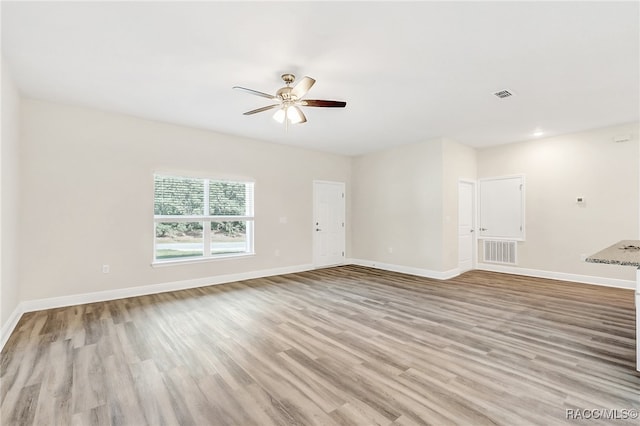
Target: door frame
[(314, 234), (474, 204)]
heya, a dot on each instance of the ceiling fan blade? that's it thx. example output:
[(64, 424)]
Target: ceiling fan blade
[(322, 103), (301, 89), (267, 108), (255, 92)]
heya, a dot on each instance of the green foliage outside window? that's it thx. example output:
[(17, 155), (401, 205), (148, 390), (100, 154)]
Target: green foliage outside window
[(178, 196)]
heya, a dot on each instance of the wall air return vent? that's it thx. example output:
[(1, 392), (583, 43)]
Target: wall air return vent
[(500, 251), (503, 94)]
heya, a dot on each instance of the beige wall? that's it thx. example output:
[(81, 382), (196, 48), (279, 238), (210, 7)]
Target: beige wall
[(87, 180), (397, 207), (588, 164), (405, 204), (9, 199), (88, 183), (459, 162)]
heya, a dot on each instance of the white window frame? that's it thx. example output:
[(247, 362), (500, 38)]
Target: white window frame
[(206, 219)]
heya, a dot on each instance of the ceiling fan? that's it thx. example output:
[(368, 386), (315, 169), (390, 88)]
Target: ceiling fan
[(289, 100)]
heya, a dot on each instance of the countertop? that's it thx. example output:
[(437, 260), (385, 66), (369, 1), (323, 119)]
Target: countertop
[(625, 252)]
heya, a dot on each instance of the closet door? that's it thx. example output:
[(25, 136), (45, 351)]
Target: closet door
[(502, 208)]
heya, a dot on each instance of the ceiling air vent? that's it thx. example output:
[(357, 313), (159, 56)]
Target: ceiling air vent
[(503, 94)]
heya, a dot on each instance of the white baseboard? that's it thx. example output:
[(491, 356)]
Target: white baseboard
[(438, 275), (10, 325), (445, 275), (103, 296), (562, 276)]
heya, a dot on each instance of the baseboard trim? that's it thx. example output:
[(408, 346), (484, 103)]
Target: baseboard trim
[(427, 273), (562, 276), (103, 296), (10, 325)]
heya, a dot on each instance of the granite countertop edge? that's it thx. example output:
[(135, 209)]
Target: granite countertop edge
[(613, 262), (617, 254)]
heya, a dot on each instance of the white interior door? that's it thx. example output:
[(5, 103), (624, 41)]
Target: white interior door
[(466, 224), (502, 208), (328, 223)]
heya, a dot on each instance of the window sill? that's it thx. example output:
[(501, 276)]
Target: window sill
[(174, 262)]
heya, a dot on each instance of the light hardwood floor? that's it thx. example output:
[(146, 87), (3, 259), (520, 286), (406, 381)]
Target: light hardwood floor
[(346, 345)]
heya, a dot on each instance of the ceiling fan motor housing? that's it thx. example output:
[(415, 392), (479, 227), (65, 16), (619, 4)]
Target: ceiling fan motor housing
[(284, 93)]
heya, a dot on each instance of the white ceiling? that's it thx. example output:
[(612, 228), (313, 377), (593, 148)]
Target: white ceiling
[(408, 71)]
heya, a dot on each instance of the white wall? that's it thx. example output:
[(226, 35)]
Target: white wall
[(87, 177), (9, 199), (558, 169), (87, 180), (405, 205), (397, 209), (397, 206)]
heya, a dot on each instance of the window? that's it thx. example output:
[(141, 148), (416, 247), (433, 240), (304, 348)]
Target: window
[(201, 218)]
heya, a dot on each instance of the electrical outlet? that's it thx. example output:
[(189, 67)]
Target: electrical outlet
[(105, 269)]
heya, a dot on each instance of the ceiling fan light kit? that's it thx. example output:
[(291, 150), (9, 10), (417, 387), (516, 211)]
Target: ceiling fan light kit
[(290, 100)]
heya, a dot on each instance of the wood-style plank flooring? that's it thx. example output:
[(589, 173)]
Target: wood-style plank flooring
[(340, 346)]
